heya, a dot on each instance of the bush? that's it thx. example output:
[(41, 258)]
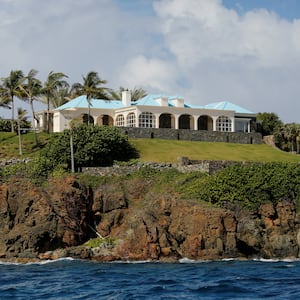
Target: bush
[(251, 185), (5, 125), (93, 146)]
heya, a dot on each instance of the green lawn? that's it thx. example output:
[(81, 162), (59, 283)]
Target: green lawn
[(156, 150), (168, 151), (9, 144)]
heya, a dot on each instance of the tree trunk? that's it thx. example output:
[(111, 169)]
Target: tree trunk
[(20, 140), (33, 123), (12, 114), (48, 116)]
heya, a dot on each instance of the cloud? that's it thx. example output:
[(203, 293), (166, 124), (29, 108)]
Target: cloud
[(197, 48)]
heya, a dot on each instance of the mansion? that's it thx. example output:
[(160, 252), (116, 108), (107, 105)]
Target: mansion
[(152, 111)]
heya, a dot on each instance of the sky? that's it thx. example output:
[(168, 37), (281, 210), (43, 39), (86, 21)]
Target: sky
[(243, 51)]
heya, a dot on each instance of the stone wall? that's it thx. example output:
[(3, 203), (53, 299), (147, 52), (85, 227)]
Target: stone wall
[(193, 135), (184, 165)]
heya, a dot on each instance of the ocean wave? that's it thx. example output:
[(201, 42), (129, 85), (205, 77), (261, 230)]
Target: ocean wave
[(131, 261), (41, 262), (272, 260), (186, 260)]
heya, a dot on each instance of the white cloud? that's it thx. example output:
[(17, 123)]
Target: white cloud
[(155, 74), (196, 48)]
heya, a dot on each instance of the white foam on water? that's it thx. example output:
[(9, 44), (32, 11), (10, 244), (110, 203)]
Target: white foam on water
[(41, 262)]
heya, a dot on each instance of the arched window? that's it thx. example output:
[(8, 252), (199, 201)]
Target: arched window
[(223, 124), (120, 121), (147, 120), (131, 121)]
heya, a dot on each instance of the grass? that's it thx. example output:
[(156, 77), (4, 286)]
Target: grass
[(9, 144), (156, 150)]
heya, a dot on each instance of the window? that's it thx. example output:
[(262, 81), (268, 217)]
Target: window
[(120, 121), (223, 124), (131, 122), (146, 120)]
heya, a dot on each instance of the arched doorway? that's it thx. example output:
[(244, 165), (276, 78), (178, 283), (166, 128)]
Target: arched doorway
[(205, 123), (185, 122), (166, 121), (83, 119), (106, 120)]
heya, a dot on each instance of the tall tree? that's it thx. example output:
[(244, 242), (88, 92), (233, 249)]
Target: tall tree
[(30, 91), (91, 88), (11, 89), (269, 122), (54, 82), (136, 94), (61, 96)]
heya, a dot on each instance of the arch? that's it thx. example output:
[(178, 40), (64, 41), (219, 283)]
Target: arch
[(120, 121), (147, 120), (185, 122), (205, 122), (131, 120), (105, 120), (83, 119), (223, 123), (166, 120)]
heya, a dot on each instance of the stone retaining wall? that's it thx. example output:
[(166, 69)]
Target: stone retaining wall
[(184, 165), (193, 135)]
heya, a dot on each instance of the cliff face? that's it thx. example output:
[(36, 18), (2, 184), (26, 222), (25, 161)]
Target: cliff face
[(36, 222)]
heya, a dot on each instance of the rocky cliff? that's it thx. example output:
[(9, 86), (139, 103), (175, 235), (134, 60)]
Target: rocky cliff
[(57, 219)]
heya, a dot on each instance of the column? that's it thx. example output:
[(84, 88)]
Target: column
[(232, 124)]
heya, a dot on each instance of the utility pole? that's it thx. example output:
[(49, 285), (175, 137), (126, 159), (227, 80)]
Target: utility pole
[(72, 151)]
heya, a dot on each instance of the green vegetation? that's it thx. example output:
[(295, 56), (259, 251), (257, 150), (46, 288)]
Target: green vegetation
[(156, 150), (9, 144), (247, 185), (237, 186), (97, 242), (92, 146)]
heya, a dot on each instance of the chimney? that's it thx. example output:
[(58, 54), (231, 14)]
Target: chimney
[(126, 98), (163, 101), (178, 102)]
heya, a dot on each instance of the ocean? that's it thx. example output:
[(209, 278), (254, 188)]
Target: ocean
[(77, 279)]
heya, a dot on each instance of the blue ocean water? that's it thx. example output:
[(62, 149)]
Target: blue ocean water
[(77, 279)]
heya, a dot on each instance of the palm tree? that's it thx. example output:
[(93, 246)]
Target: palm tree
[(21, 117), (61, 96), (136, 94), (53, 83), (91, 87), (30, 91), (11, 88)]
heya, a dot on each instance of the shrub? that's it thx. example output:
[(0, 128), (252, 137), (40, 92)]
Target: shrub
[(251, 185), (93, 146)]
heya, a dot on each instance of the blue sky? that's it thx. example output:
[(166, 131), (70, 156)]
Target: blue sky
[(243, 51), (289, 9)]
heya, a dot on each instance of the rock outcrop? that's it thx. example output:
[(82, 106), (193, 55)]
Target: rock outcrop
[(57, 219)]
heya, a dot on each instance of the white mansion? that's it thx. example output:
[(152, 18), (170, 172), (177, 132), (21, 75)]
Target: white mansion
[(152, 111)]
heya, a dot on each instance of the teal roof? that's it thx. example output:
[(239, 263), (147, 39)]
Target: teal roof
[(81, 102), (150, 100), (225, 105)]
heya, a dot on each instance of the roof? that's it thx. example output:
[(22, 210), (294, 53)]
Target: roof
[(225, 105), (149, 100), (81, 102)]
